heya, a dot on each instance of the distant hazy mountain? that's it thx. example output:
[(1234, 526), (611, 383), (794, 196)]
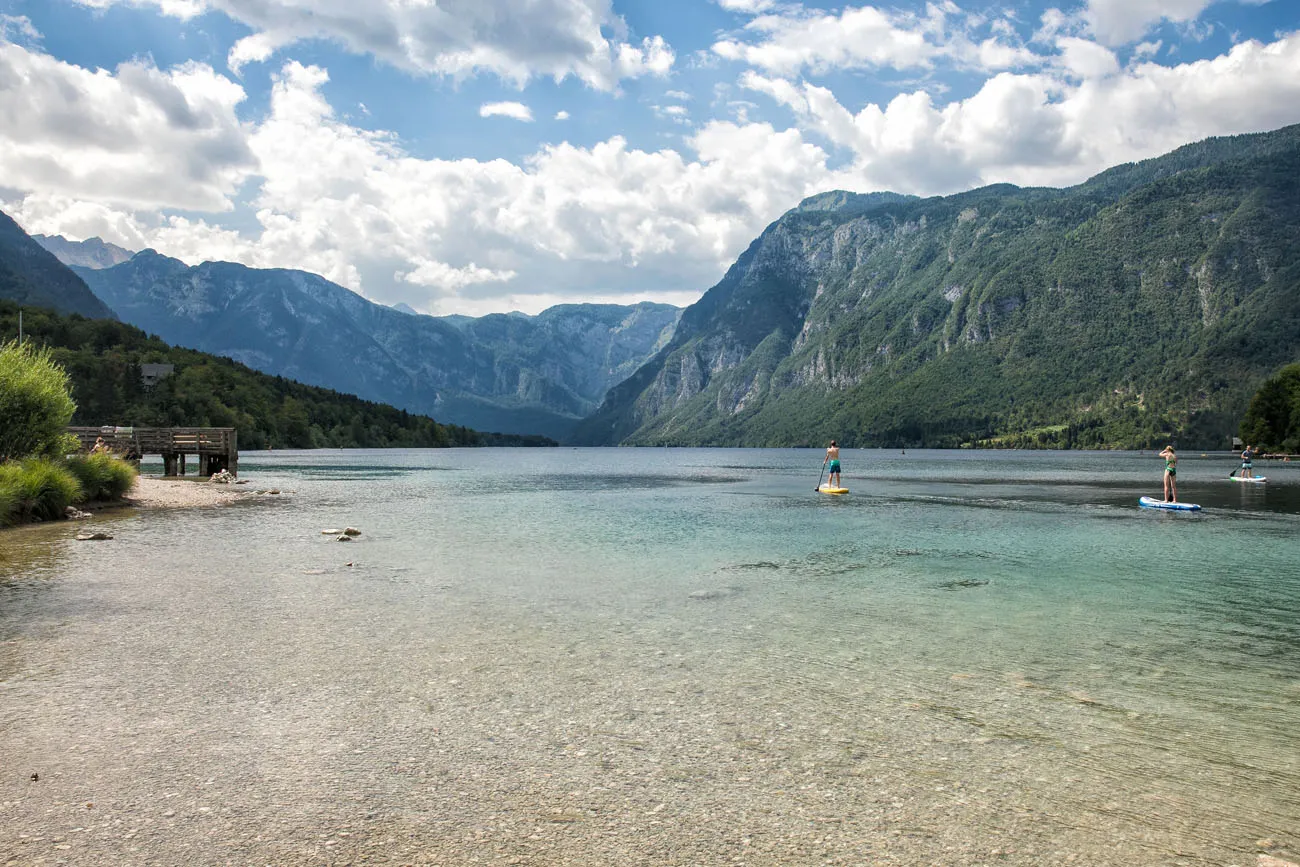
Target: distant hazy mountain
[(508, 373), (32, 276), (1145, 304), (91, 253)]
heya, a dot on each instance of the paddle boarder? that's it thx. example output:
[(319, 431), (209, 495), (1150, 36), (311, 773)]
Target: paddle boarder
[(1171, 474), (1247, 463), (833, 459)]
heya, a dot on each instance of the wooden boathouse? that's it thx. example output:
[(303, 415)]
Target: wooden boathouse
[(215, 448)]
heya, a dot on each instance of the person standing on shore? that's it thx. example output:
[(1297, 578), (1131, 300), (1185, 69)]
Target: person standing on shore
[(1171, 474), (1247, 463), (833, 458)]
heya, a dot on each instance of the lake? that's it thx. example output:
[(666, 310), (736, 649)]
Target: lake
[(663, 656)]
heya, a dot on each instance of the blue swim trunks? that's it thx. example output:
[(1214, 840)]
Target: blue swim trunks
[(835, 466)]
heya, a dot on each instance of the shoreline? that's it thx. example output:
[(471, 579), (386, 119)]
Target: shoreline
[(155, 492), (161, 492)]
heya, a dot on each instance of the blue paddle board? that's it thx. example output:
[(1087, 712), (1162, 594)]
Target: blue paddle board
[(1256, 479), (1153, 503)]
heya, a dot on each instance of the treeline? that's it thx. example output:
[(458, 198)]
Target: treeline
[(1272, 423), (103, 361)]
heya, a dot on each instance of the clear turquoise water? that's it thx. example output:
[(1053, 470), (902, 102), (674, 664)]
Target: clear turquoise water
[(1122, 674)]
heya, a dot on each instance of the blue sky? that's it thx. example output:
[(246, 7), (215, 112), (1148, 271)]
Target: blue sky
[(473, 156)]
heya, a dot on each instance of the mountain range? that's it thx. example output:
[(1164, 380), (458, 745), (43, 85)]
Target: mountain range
[(90, 253), (509, 373), (1145, 304), (32, 276)]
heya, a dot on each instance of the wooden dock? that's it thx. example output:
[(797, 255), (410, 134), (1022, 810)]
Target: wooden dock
[(216, 448)]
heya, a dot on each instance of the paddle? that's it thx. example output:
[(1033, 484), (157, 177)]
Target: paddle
[(1233, 473), (819, 477)]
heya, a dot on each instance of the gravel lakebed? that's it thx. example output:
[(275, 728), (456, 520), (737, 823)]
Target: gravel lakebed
[(167, 699)]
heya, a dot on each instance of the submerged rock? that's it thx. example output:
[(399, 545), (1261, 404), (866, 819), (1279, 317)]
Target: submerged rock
[(97, 536), (964, 583), (351, 531), (714, 593)]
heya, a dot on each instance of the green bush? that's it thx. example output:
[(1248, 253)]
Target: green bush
[(38, 490), (102, 477), (35, 403)]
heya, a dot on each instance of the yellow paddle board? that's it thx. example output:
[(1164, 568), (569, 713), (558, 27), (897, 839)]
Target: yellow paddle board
[(827, 489)]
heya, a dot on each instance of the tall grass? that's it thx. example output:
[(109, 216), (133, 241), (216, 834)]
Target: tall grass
[(8, 505), (102, 477), (36, 490)]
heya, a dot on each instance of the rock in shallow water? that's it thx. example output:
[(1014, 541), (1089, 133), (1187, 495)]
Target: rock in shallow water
[(93, 537)]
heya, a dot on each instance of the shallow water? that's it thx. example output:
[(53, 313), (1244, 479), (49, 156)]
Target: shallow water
[(664, 656)]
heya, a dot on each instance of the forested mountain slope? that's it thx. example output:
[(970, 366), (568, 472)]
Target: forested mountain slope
[(1147, 303), (31, 276)]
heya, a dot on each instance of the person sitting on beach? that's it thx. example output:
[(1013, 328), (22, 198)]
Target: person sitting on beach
[(1247, 463), (833, 457), (1171, 474)]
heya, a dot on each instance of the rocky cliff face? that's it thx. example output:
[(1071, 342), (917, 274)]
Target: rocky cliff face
[(1145, 303), (513, 374), (90, 253)]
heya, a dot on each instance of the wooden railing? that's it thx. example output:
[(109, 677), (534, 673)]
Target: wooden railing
[(216, 447)]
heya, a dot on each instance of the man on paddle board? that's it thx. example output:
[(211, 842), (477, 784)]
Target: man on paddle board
[(1171, 474), (1247, 463), (833, 458)]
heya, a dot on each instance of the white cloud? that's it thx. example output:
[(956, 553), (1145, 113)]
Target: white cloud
[(1118, 22), (794, 41), (443, 276), (1043, 130), (136, 136), (857, 38), (516, 110), (1083, 58), (748, 7), (679, 95), (561, 115), (570, 222), (515, 41), (18, 27), (1149, 49), (453, 234)]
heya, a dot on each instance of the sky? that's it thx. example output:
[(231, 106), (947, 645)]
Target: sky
[(479, 156)]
